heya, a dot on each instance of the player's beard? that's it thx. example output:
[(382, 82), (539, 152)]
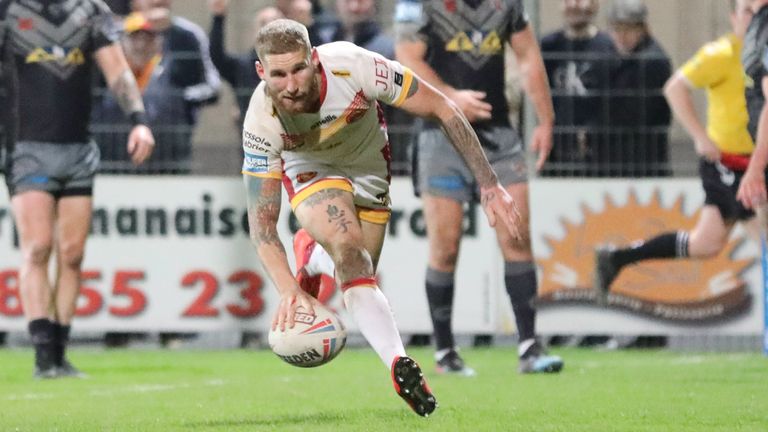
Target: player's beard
[(305, 101)]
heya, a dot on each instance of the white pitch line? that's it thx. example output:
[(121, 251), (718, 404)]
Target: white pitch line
[(137, 388)]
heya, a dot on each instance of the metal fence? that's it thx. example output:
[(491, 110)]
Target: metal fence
[(602, 130)]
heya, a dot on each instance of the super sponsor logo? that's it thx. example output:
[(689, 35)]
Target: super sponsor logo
[(256, 164)]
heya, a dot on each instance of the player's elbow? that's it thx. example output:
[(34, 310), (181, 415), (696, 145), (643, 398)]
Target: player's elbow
[(675, 87), (445, 109)]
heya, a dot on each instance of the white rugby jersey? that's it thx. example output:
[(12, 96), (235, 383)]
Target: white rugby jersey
[(348, 124)]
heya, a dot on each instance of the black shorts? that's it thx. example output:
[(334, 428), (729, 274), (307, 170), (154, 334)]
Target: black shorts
[(59, 169), (720, 187)]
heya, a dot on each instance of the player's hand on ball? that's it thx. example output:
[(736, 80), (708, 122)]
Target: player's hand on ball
[(286, 311), (499, 206), (752, 191)]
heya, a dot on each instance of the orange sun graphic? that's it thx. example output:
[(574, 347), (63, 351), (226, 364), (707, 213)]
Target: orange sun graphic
[(675, 289)]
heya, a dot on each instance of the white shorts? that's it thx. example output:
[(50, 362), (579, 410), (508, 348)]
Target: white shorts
[(366, 176)]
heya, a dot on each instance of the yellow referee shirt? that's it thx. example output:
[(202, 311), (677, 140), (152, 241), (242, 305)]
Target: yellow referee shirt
[(717, 68)]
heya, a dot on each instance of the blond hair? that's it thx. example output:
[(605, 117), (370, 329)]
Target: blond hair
[(282, 36)]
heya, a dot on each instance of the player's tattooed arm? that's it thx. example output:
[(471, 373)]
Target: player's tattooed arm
[(424, 100), (127, 93), (464, 139), (264, 201), (119, 78)]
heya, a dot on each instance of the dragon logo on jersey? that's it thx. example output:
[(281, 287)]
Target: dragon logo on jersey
[(306, 176), (357, 108)]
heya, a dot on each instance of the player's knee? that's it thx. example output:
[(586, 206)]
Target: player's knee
[(352, 262), (71, 255), (709, 250), (38, 252), (519, 245), (444, 257)]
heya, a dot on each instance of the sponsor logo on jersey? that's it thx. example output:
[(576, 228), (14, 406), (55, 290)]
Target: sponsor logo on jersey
[(72, 56), (255, 163), (325, 120), (255, 142), (399, 79), (341, 73), (306, 176), (381, 70)]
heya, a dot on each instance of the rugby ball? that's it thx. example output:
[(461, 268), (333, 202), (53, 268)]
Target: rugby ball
[(315, 339)]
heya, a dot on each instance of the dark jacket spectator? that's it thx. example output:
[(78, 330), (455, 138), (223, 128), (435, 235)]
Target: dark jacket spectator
[(167, 107), (237, 69), (639, 112), (578, 60), (191, 68), (310, 13), (357, 24)]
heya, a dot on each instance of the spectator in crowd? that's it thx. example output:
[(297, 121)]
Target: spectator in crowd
[(357, 24), (639, 113), (238, 70), (319, 24), (578, 60), (724, 147), (168, 110), (187, 44), (467, 64)]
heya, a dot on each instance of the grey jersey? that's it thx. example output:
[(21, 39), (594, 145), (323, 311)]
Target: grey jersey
[(51, 45), (465, 42)]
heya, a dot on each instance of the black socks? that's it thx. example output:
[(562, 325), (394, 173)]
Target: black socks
[(50, 341), (664, 246), (440, 296), (44, 335), (521, 284)]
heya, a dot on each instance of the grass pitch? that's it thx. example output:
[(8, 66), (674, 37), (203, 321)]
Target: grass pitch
[(136, 390)]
